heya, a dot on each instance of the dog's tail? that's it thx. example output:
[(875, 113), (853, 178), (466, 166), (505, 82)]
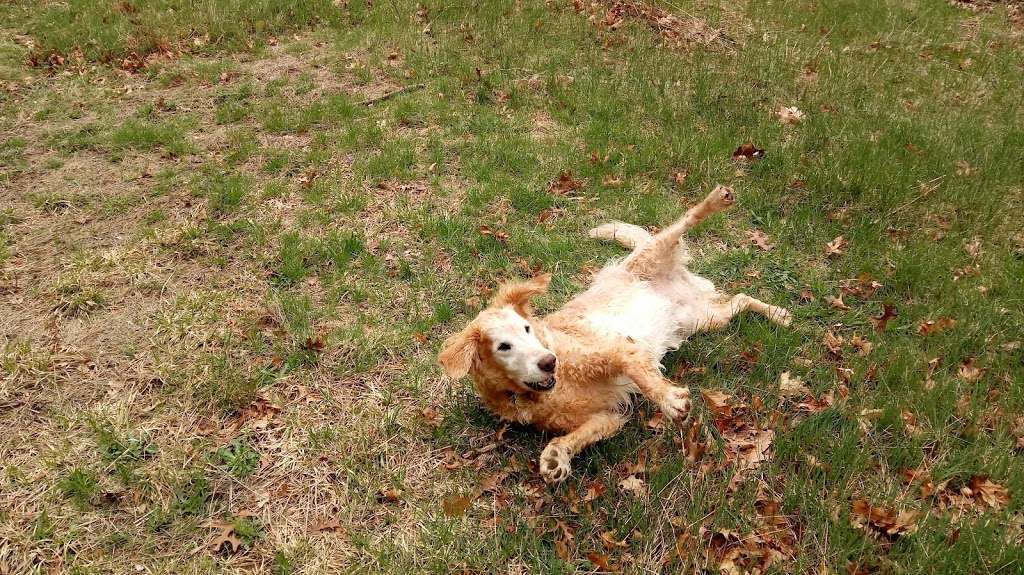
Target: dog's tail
[(633, 236), (629, 235)]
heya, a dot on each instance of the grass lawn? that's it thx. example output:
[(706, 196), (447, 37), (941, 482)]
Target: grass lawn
[(233, 235)]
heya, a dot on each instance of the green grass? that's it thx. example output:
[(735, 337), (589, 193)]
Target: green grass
[(225, 279), (75, 299), (108, 32), (80, 486), (238, 458), (145, 136)]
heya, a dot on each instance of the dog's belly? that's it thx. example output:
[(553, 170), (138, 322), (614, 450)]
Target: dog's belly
[(641, 313)]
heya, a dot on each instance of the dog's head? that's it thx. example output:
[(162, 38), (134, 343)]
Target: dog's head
[(500, 346)]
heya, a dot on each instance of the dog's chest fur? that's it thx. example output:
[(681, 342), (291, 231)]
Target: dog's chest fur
[(616, 312)]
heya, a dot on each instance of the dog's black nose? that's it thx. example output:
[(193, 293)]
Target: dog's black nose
[(547, 363)]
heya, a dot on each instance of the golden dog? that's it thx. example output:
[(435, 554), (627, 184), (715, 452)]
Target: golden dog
[(575, 371)]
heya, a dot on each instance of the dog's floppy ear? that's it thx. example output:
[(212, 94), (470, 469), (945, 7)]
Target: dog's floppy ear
[(458, 352), (518, 294)]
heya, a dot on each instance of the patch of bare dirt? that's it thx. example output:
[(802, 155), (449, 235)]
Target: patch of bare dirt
[(314, 65)]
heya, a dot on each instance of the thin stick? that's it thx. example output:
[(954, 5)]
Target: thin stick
[(927, 189), (389, 95)]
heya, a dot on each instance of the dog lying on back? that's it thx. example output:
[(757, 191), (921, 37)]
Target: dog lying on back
[(575, 371)]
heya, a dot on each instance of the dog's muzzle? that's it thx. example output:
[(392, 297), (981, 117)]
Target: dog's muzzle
[(543, 385)]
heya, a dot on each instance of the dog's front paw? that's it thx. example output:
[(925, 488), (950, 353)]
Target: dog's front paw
[(554, 463), (676, 404)]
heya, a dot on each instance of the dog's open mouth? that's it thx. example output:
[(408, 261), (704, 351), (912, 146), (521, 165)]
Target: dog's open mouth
[(543, 385)]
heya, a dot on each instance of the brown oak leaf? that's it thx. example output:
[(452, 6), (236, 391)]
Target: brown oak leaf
[(837, 302), (748, 152), (929, 327), (760, 239), (565, 184), (836, 247), (888, 312), (884, 520), (970, 372)]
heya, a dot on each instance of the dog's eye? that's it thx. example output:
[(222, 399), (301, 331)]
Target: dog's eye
[(504, 346), (527, 329)]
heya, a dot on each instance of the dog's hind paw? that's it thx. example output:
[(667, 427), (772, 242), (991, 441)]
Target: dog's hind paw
[(554, 463), (781, 316), (676, 404), (722, 198)]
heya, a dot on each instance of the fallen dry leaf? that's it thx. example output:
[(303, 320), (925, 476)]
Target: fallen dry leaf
[(963, 168), (634, 485), (491, 483), (837, 302), (314, 343), (790, 386), (970, 372), (327, 524), (563, 537), (816, 405), (867, 417), (611, 181), (888, 312), (749, 447), (929, 327), (565, 184), (1018, 432), (864, 286), (602, 562), (806, 295), (549, 214), (760, 239), (910, 423), (833, 343), (456, 505), (816, 463), (500, 236), (836, 247), (718, 402), (747, 152), (694, 447), (608, 537), (389, 495), (226, 536), (883, 520), (674, 30), (973, 247), (431, 415), (638, 468), (844, 373), (862, 345), (595, 489), (790, 115)]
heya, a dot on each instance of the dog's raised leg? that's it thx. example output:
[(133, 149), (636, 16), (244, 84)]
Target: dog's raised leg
[(554, 460), (652, 257), (721, 314), (673, 400)]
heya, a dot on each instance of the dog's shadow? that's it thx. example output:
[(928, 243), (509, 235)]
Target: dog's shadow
[(473, 432)]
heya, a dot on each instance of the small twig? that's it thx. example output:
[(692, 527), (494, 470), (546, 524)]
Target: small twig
[(927, 188), (389, 95)]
